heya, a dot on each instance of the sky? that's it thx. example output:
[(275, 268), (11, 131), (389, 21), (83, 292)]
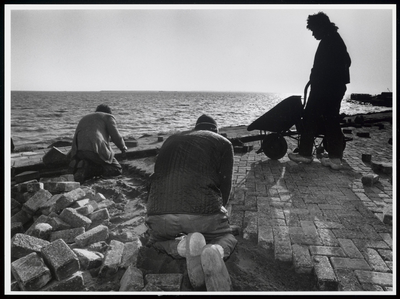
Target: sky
[(263, 48)]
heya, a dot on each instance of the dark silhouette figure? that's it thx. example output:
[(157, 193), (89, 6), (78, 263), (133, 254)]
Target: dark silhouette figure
[(328, 79)]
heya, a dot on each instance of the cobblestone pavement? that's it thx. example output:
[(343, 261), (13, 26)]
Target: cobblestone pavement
[(323, 221)]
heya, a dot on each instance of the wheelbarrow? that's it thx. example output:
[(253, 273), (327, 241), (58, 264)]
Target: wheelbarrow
[(284, 120)]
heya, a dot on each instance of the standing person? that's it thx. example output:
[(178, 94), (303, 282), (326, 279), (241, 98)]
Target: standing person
[(328, 79), (91, 151), (186, 212)]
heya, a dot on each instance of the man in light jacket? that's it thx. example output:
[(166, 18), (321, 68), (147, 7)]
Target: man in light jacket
[(91, 151)]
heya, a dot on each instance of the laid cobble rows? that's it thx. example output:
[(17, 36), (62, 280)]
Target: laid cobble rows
[(332, 223)]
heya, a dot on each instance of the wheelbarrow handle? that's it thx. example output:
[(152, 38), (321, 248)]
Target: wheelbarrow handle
[(305, 93)]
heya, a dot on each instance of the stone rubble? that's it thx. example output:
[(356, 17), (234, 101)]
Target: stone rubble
[(69, 243)]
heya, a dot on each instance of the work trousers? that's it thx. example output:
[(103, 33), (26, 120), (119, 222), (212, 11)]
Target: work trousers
[(321, 115), (98, 166), (165, 230)]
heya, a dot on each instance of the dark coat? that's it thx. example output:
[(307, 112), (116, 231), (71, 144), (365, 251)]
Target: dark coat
[(331, 62), (192, 174)]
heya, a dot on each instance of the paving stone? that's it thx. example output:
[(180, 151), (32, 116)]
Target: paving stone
[(40, 219), (88, 259), (57, 223), (349, 263), (100, 215), (283, 251), (375, 261), (68, 198), (31, 272), (96, 234), (390, 265), (328, 224), (68, 235), (33, 187), (378, 278), (42, 231), (34, 203), (372, 287), (132, 280), (348, 233), (151, 288), (112, 259), (370, 179), (265, 233), (60, 187), (47, 207), (99, 197), (22, 245), (381, 167), (75, 282), (61, 260), (350, 249), (80, 203), (386, 255), (387, 239), (387, 214), (94, 204), (85, 210), (22, 187), (14, 286), (250, 228), (327, 237), (168, 282), (310, 231), (292, 219), (15, 206), (370, 232), (326, 250), (363, 244), (74, 219), (348, 281), (302, 259), (123, 236), (130, 253), (326, 277)]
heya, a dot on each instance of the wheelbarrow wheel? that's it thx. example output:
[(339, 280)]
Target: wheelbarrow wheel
[(274, 146)]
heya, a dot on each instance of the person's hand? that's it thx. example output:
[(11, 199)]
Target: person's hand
[(224, 210), (123, 152)]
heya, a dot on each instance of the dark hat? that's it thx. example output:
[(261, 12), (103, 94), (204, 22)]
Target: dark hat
[(103, 108), (206, 122)]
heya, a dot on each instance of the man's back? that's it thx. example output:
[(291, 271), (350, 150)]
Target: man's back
[(93, 134), (192, 174)]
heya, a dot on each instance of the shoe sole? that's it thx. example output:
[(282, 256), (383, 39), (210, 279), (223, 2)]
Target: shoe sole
[(300, 161), (216, 274), (195, 243), (332, 166)]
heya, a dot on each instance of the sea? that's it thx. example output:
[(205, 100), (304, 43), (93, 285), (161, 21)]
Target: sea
[(46, 117)]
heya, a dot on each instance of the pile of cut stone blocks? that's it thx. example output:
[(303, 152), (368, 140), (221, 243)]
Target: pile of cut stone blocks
[(61, 241)]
